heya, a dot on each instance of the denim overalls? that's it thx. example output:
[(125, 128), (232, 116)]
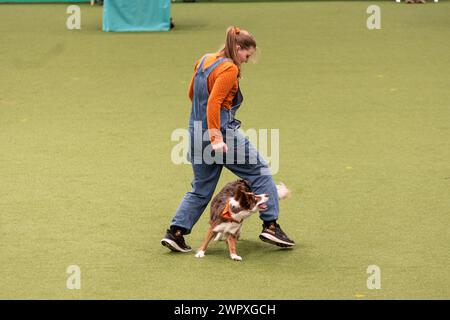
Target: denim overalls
[(245, 161)]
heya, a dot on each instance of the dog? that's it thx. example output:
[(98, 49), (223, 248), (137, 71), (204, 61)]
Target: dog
[(229, 208)]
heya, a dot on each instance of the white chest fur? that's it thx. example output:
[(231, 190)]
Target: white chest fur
[(228, 228)]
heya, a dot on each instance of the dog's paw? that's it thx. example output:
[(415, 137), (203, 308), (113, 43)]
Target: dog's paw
[(235, 257), (200, 254)]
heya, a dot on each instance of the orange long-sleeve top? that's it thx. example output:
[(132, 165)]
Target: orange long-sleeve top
[(222, 87)]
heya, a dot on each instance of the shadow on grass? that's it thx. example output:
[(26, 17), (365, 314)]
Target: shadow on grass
[(246, 249)]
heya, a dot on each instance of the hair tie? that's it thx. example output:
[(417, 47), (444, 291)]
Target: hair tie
[(237, 30)]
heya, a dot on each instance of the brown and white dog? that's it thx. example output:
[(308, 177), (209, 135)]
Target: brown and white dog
[(229, 208)]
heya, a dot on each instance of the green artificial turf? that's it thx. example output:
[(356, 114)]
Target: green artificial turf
[(86, 176)]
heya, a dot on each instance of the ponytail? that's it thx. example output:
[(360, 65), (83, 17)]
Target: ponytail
[(237, 37)]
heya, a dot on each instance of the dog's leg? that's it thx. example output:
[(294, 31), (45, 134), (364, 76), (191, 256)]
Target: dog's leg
[(219, 236), (204, 245), (231, 240), (238, 233)]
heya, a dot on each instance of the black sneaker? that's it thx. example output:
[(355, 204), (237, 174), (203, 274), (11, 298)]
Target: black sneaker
[(175, 242), (274, 235)]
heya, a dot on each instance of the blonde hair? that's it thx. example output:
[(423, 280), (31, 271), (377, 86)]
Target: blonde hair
[(237, 37)]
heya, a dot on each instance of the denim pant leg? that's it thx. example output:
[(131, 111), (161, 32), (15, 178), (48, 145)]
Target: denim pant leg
[(194, 202), (254, 169)]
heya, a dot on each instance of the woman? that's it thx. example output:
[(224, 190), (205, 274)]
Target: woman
[(215, 95)]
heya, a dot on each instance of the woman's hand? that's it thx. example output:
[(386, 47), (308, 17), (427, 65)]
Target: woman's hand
[(220, 147)]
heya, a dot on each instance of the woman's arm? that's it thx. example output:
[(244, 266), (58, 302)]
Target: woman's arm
[(191, 88), (191, 84), (222, 86)]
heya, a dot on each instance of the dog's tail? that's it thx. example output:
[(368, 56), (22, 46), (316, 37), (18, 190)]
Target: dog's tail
[(283, 191)]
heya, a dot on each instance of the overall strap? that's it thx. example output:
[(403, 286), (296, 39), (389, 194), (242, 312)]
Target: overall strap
[(200, 67), (214, 65), (208, 70)]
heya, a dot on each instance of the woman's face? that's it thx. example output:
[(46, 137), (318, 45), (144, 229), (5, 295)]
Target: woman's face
[(245, 54)]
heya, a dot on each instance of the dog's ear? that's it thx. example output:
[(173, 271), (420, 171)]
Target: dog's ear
[(241, 197), (244, 200), (244, 183), (247, 184), (238, 193)]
